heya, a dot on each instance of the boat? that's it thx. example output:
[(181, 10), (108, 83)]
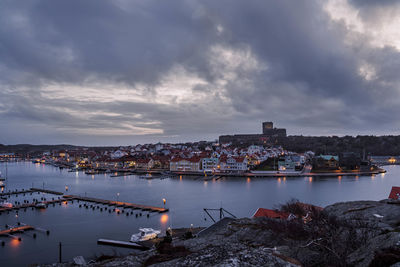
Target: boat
[(145, 234), (90, 172), (6, 205), (41, 205), (147, 176)]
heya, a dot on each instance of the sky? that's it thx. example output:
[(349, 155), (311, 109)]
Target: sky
[(124, 72)]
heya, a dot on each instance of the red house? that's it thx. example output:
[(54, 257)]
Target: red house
[(395, 193), (274, 214)]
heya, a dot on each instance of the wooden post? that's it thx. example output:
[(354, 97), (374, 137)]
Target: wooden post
[(59, 252)]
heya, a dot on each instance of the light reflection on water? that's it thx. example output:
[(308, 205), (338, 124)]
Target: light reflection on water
[(79, 228)]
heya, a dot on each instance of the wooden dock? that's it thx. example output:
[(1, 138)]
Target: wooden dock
[(31, 205), (16, 192), (117, 243), (16, 230), (75, 197), (117, 203), (46, 191), (31, 190)]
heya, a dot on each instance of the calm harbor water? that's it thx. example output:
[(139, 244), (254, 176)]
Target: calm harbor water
[(78, 229)]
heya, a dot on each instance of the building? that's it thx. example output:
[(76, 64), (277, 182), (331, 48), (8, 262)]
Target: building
[(350, 160), (395, 193), (268, 129), (147, 163), (267, 125), (233, 164), (269, 135), (182, 164), (326, 162), (273, 214), (209, 164)]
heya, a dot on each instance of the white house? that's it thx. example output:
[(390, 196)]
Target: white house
[(233, 164), (209, 164), (185, 164)]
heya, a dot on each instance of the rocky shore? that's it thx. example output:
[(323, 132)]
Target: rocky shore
[(359, 233)]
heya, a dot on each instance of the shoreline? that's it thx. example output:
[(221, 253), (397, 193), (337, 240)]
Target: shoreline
[(282, 174)]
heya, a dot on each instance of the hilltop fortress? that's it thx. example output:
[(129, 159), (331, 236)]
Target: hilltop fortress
[(268, 133)]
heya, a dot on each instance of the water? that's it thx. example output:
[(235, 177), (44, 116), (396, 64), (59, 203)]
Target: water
[(78, 229)]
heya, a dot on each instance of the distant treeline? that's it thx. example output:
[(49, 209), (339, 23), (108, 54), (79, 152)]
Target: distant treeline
[(371, 145), (368, 144), (27, 149)]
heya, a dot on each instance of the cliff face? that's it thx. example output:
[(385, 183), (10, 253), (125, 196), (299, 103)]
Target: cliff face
[(360, 233)]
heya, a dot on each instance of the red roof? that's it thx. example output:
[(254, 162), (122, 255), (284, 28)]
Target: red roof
[(176, 159), (143, 160), (239, 159), (395, 193), (193, 159), (275, 214)]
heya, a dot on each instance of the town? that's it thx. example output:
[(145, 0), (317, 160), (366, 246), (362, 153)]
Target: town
[(232, 155)]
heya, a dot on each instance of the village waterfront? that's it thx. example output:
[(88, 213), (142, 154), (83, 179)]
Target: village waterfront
[(78, 229)]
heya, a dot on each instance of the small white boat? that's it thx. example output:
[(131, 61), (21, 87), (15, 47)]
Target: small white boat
[(145, 234), (41, 205)]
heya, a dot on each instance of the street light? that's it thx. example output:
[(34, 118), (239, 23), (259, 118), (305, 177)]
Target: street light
[(117, 196), (164, 201)]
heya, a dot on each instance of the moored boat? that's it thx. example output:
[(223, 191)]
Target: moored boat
[(41, 205), (147, 176), (145, 234), (6, 205)]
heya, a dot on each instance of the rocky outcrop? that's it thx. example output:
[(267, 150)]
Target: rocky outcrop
[(380, 222), (359, 233)]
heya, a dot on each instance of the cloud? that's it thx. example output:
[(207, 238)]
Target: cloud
[(125, 72)]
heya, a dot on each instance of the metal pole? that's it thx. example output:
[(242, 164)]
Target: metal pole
[(59, 252)]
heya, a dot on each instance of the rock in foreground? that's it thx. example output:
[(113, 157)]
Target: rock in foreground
[(359, 233)]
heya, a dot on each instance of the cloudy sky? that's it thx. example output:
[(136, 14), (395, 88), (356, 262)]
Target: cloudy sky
[(126, 72)]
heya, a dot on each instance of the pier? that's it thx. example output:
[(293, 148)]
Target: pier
[(31, 205), (46, 191), (31, 190), (75, 197), (118, 243), (16, 192), (116, 203), (18, 229)]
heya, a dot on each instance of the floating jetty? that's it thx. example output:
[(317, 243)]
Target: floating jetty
[(116, 203), (31, 205), (117, 243), (75, 197), (17, 192), (31, 190), (16, 230), (46, 191)]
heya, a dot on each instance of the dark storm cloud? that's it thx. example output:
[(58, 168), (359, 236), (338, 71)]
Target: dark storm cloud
[(261, 60), (69, 41)]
